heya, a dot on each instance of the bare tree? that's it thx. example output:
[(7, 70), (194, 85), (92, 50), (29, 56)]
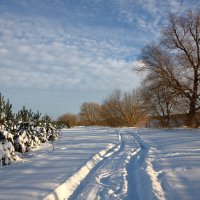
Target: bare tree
[(162, 103), (133, 108), (123, 109), (112, 112), (68, 119), (175, 60), (90, 113)]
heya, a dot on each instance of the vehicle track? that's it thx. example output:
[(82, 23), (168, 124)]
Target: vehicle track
[(143, 180), (108, 180)]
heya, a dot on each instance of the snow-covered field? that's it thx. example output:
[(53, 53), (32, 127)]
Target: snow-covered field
[(106, 163)]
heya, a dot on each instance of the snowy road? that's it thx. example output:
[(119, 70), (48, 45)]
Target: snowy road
[(92, 163), (108, 180)]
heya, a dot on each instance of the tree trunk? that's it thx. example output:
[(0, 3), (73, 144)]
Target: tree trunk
[(192, 112), (192, 122)]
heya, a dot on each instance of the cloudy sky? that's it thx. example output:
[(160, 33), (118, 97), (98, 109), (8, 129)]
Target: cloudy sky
[(57, 54)]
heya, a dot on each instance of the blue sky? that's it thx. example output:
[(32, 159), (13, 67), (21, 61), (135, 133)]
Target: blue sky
[(57, 54)]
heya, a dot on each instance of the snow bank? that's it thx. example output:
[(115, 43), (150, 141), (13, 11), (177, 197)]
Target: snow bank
[(156, 185), (65, 190), (172, 162)]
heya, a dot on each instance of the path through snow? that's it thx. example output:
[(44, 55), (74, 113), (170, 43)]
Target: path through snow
[(108, 180), (126, 174)]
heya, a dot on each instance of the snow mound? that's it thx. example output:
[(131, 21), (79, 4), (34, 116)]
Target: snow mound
[(156, 185)]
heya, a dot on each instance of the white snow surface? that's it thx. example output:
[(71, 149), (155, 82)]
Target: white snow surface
[(108, 163)]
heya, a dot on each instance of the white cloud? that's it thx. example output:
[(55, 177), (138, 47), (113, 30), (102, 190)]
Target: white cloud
[(149, 15), (74, 57), (36, 55)]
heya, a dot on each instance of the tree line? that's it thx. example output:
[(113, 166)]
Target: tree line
[(118, 109), (9, 119), (169, 94)]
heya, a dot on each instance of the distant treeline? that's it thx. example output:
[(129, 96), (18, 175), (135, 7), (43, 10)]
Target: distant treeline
[(118, 109)]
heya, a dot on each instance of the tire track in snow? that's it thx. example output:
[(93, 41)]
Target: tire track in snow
[(65, 190), (143, 179), (109, 179)]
